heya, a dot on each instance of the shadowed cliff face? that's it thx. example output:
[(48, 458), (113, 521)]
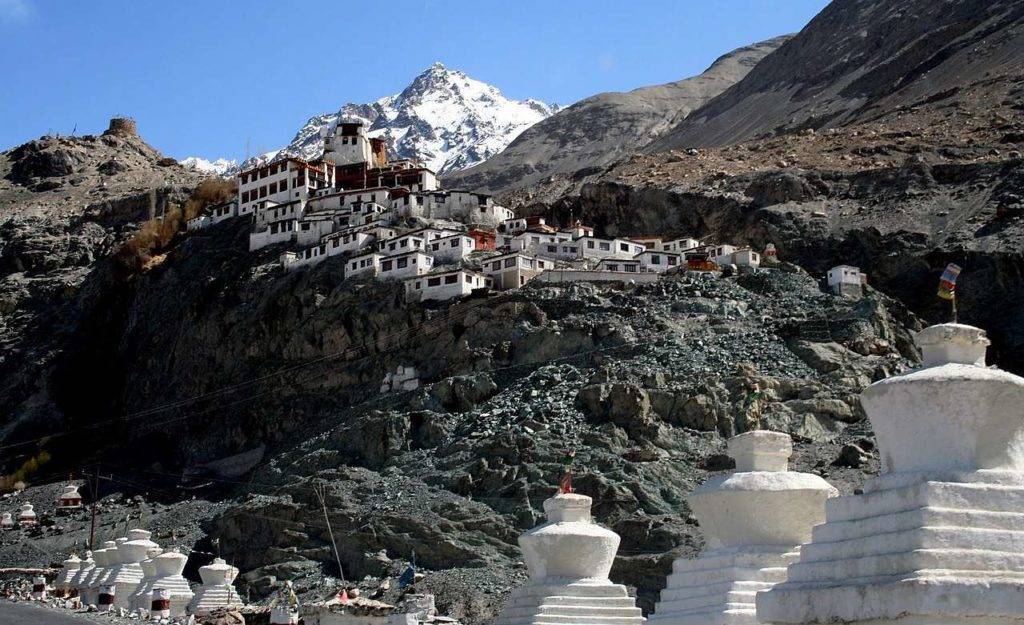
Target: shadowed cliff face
[(644, 382)]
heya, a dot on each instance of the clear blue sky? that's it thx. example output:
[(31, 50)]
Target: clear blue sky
[(204, 76)]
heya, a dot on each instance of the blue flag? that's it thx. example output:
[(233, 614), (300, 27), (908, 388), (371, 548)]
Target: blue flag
[(407, 577)]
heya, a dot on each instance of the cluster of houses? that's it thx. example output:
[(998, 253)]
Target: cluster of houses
[(391, 220)]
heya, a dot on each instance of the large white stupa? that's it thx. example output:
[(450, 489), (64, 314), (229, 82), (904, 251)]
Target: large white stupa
[(90, 584), (169, 566), (127, 574), (938, 536), (85, 568), (569, 559), (753, 521), (217, 590)]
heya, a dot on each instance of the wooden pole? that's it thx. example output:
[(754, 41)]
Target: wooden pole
[(95, 496), (323, 505)]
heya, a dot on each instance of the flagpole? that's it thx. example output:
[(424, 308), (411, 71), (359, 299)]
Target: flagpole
[(953, 301)]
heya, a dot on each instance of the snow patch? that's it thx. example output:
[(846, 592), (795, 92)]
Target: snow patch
[(445, 119)]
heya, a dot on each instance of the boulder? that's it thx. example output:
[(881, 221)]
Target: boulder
[(823, 357), (779, 189), (825, 407), (625, 405), (462, 393)]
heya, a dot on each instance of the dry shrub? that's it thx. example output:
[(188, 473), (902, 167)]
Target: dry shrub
[(16, 480), (152, 236), (210, 192), (137, 254)]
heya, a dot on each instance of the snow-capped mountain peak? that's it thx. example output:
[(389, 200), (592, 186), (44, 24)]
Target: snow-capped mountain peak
[(219, 167), (444, 118)]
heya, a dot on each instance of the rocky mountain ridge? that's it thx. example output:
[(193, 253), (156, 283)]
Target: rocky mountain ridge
[(861, 61), (599, 130)]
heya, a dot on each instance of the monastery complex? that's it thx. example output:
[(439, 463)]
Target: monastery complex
[(391, 220)]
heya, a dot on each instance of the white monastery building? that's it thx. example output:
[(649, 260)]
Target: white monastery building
[(446, 285), (390, 219), (846, 280), (511, 271)]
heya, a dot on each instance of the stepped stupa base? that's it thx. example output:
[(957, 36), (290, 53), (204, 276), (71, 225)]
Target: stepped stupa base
[(720, 586), (915, 550), (208, 599), (181, 594), (571, 603)]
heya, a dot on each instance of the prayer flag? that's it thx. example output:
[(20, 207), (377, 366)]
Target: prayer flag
[(947, 283)]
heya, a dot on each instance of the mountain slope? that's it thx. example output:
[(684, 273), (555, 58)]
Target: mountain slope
[(603, 128), (444, 118), (861, 59)]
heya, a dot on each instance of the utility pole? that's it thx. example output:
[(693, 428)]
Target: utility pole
[(95, 497), (323, 505)]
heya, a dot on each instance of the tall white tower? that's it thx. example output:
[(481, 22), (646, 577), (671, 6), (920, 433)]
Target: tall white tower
[(346, 143)]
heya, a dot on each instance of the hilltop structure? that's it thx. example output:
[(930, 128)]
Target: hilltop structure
[(391, 220), (934, 538)]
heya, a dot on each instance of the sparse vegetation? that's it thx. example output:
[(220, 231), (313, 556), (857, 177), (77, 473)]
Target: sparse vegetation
[(209, 192), (16, 481), (138, 253)]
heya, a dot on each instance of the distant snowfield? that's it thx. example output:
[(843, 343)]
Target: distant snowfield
[(219, 167), (445, 119)]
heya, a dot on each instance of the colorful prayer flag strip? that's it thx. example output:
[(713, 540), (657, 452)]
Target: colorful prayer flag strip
[(947, 283)]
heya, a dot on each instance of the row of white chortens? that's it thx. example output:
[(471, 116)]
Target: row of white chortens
[(936, 539), (353, 202), (134, 573)]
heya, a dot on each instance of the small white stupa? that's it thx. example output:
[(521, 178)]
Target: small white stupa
[(62, 583), (753, 520), (141, 596), (6, 521), (169, 566), (84, 569), (128, 573), (113, 561), (27, 517), (91, 585), (70, 499), (936, 538), (38, 588), (216, 591), (569, 559)]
